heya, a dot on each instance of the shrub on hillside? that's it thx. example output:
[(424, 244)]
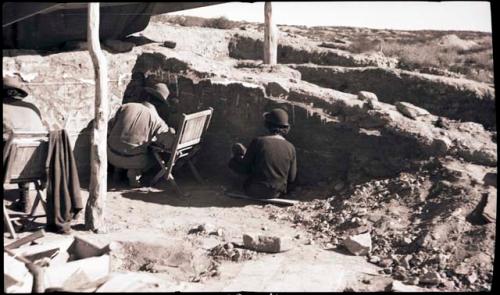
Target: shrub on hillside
[(221, 23)]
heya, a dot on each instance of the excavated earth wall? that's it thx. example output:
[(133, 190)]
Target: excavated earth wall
[(249, 46), (454, 98), (337, 135)]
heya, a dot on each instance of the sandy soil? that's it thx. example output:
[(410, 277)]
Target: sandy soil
[(156, 222)]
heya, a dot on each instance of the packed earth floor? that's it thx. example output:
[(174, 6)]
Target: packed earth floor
[(195, 243)]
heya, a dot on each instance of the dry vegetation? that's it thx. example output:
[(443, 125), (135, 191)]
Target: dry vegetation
[(192, 21), (415, 50)]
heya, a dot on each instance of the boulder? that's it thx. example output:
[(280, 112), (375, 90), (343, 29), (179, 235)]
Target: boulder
[(368, 96), (359, 245), (410, 110), (490, 209), (270, 244), (431, 278)]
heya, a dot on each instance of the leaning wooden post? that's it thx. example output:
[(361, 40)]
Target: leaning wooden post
[(270, 36), (94, 211)]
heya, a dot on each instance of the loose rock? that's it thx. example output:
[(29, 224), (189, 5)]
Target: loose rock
[(359, 245)]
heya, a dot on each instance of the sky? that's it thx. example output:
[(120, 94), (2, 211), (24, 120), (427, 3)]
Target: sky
[(446, 15)]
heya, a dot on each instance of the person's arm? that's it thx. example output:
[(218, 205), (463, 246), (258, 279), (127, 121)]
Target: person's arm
[(243, 165), (164, 135)]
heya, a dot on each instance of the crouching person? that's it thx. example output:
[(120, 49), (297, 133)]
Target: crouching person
[(270, 161), (133, 128)]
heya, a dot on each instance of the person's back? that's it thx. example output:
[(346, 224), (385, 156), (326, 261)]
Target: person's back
[(272, 159), (133, 128)]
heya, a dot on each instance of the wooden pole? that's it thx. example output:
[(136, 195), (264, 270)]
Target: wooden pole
[(94, 211), (270, 36)]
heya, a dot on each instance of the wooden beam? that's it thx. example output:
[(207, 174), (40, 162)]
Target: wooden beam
[(95, 209), (270, 36)]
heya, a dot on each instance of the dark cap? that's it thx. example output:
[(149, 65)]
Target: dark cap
[(13, 83), (159, 91), (277, 117)]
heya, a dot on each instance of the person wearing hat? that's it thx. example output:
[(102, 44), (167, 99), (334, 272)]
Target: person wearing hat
[(133, 128), (19, 115), (270, 162)]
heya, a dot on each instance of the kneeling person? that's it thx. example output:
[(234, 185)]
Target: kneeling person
[(133, 128), (270, 161)]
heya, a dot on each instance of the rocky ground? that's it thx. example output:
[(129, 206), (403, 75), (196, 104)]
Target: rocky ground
[(425, 228), (398, 186)]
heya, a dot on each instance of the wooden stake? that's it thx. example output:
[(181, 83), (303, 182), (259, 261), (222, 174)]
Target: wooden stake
[(94, 211), (270, 36)]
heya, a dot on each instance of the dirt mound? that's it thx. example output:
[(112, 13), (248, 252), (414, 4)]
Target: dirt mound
[(453, 41), (458, 99), (293, 50), (422, 224)]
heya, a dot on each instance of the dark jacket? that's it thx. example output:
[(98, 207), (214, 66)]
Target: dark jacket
[(63, 185), (271, 164)]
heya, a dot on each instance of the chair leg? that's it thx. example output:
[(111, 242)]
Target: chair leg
[(176, 187), (39, 199), (8, 221), (195, 172), (160, 174)]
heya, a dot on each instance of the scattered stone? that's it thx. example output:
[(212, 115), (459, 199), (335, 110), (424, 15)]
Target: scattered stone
[(202, 228), (359, 245), (410, 110), (297, 236), (412, 281), (405, 261), (368, 96), (386, 262), (119, 46), (309, 242), (406, 241), (490, 210), (169, 44), (265, 243), (431, 278), (462, 269), (374, 259), (398, 286), (472, 278)]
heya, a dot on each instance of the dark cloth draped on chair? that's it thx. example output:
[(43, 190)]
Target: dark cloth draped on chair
[(63, 185)]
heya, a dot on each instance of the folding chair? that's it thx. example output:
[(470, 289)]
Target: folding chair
[(186, 144), (26, 164)]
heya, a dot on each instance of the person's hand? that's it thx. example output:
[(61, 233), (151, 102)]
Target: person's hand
[(238, 150)]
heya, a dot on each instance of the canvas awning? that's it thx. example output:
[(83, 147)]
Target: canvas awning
[(49, 24)]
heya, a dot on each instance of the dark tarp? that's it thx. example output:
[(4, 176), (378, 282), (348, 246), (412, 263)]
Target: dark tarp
[(47, 25)]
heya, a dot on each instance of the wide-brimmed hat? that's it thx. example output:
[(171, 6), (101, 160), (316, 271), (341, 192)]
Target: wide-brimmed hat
[(277, 117), (159, 91), (13, 83)]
